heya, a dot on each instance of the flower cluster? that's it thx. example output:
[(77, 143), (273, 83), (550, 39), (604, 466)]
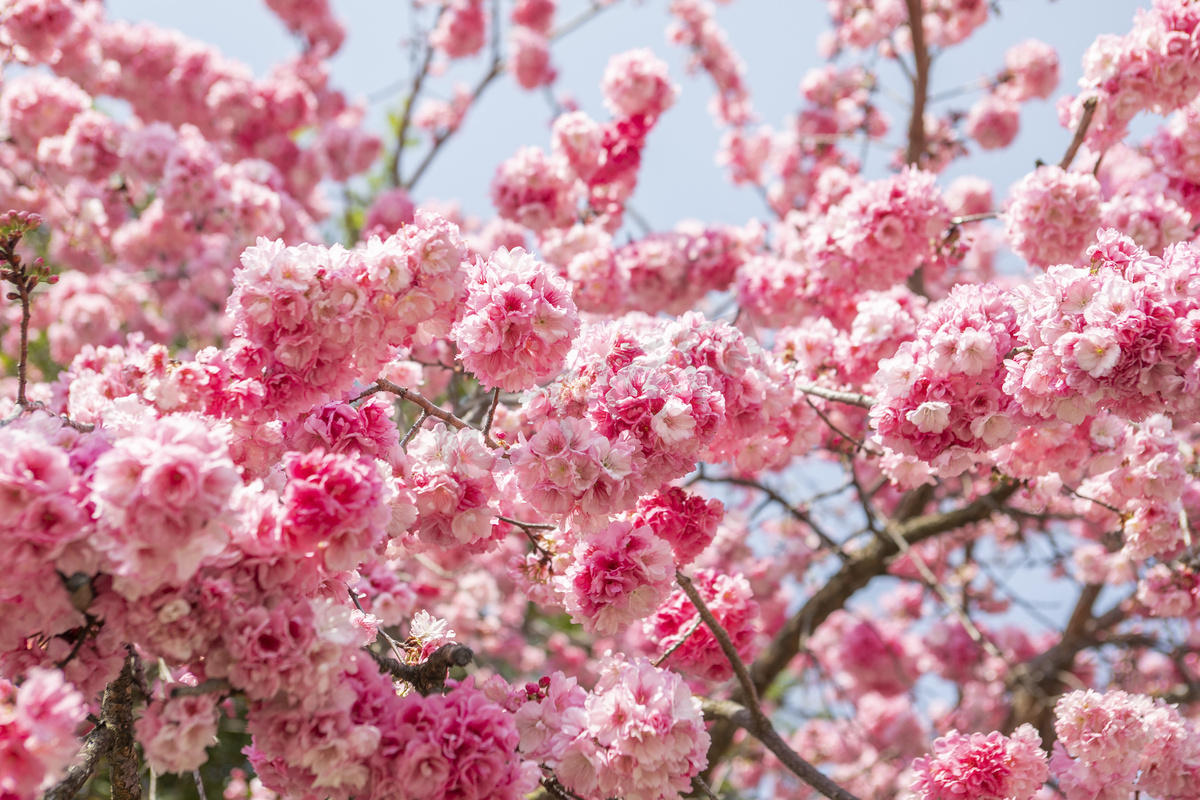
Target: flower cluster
[(636, 84), (452, 475), (941, 398), (311, 320), (162, 499), (1117, 742), (336, 506), (174, 732), (687, 522), (1052, 215), (567, 468), (982, 767), (880, 232), (1118, 335), (640, 732), (618, 576), (38, 720), (1151, 68), (518, 321)]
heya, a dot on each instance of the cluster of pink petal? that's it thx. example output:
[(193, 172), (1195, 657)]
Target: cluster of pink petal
[(162, 501), (1147, 479), (452, 475), (1120, 335), (1052, 215), (687, 522), (941, 398), (1170, 591), (636, 83), (310, 320), (336, 506), (1115, 743), (676, 625), (529, 58), (618, 576), (517, 323), (982, 767), (566, 468), (694, 27), (175, 732), (460, 30), (1151, 68), (766, 421), (994, 120), (535, 190), (38, 720), (313, 20), (1032, 70), (644, 737), (457, 746), (389, 212), (667, 272), (866, 656), (948, 22), (880, 232), (41, 516), (339, 427), (672, 412)]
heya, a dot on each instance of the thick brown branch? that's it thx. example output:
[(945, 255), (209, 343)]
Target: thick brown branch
[(122, 752), (1036, 684), (95, 745), (865, 563), (429, 675)]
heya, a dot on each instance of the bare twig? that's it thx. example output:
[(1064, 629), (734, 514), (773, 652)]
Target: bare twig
[(409, 103), (658, 662), (756, 722), (1089, 111), (416, 427), (491, 412)]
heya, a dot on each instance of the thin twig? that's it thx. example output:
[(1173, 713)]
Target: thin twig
[(412, 432), (722, 637), (1089, 111), (491, 412), (419, 400), (658, 662), (409, 103), (199, 784)]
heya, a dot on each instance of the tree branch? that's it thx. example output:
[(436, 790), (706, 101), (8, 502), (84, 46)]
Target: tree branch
[(423, 403), (430, 675), (122, 754), (751, 716), (734, 714), (1089, 111), (95, 745), (849, 398), (865, 563)]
